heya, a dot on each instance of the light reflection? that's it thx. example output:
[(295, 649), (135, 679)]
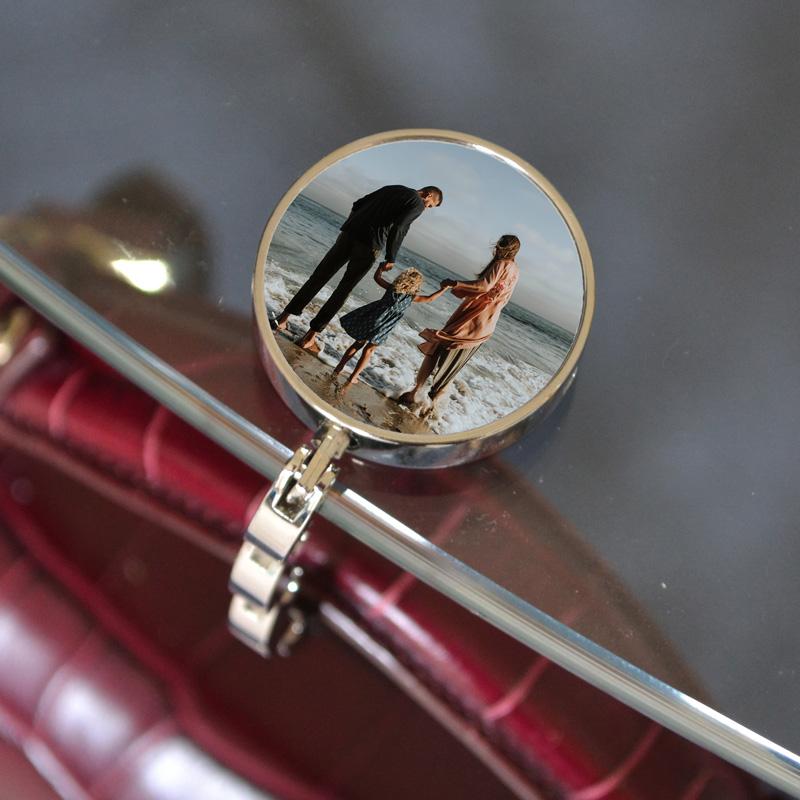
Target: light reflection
[(151, 275), (85, 710), (178, 769)]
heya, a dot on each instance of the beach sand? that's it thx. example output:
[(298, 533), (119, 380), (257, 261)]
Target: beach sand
[(360, 401)]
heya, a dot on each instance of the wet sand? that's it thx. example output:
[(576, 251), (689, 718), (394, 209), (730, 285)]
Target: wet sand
[(360, 401)]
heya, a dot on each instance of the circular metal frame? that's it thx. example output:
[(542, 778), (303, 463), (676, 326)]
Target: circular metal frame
[(410, 449)]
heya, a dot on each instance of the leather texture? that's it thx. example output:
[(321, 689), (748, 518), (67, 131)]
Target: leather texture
[(118, 678)]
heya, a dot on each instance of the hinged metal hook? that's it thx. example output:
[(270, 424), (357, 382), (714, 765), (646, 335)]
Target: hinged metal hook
[(264, 587)]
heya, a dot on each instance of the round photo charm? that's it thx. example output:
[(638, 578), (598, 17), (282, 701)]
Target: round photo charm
[(427, 291)]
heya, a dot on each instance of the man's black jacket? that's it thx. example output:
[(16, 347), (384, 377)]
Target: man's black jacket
[(381, 218)]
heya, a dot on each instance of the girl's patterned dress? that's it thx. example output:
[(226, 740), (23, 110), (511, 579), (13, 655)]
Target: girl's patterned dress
[(375, 321)]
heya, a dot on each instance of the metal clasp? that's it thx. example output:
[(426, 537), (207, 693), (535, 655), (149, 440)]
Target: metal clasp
[(25, 342), (14, 327), (264, 587)]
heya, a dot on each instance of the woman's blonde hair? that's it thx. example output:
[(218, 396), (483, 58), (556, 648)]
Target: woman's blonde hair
[(505, 248), (409, 281)]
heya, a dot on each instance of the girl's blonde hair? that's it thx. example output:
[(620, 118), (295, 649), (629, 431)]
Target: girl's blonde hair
[(409, 281)]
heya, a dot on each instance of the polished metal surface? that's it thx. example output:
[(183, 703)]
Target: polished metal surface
[(262, 582), (671, 131), (13, 329)]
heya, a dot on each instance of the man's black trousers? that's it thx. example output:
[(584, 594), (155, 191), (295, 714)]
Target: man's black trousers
[(359, 258)]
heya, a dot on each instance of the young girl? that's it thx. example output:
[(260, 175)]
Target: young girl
[(370, 325)]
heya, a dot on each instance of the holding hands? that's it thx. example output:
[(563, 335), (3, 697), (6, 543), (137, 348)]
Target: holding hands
[(443, 287)]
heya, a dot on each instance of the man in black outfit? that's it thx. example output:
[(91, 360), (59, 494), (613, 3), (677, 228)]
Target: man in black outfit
[(378, 221)]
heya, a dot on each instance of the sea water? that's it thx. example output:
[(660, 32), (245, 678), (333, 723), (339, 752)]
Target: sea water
[(517, 362)]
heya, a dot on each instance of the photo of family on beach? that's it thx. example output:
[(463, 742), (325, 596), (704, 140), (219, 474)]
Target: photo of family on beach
[(424, 307)]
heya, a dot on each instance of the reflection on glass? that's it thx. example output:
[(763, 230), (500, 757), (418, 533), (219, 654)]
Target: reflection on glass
[(149, 275)]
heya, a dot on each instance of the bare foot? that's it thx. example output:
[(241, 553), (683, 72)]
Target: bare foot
[(308, 342), (429, 413), (351, 381), (407, 399), (280, 323)]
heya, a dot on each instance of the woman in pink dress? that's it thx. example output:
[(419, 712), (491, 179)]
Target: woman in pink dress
[(448, 349)]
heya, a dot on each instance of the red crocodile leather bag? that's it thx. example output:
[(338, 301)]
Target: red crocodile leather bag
[(119, 679)]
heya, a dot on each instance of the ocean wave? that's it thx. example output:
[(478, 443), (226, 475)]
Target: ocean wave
[(489, 387)]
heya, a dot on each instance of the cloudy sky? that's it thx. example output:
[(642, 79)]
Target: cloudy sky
[(483, 199)]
